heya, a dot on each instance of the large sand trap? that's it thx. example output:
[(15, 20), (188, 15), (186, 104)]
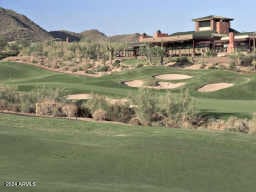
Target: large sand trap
[(79, 97), (167, 85), (162, 85), (86, 96), (117, 101), (134, 83), (173, 77), (215, 87)]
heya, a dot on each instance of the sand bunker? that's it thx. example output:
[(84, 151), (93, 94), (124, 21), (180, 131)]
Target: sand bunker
[(215, 87), (117, 101), (167, 85), (79, 97), (173, 77), (88, 96), (134, 83), (161, 85)]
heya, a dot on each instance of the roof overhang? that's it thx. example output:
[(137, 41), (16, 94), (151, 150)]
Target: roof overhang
[(212, 17)]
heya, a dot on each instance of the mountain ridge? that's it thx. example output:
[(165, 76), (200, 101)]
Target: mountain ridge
[(20, 27)]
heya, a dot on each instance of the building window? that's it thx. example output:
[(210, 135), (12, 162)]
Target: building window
[(204, 24)]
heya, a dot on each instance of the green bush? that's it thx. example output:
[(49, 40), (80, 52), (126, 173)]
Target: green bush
[(182, 61), (120, 112), (117, 63), (146, 105), (177, 109), (103, 68), (139, 65), (98, 102), (246, 60), (90, 72), (26, 101)]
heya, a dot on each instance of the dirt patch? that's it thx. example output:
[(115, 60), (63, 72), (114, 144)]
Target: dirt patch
[(79, 97), (215, 87), (194, 67), (173, 77), (134, 83)]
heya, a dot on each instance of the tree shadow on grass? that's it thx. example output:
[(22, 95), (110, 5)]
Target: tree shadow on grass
[(206, 114)]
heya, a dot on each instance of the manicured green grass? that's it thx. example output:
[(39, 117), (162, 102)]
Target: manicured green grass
[(238, 100), (65, 155)]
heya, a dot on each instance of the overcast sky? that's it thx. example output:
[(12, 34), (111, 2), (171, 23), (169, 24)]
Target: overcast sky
[(120, 17)]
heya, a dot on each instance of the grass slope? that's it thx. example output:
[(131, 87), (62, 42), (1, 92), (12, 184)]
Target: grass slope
[(64, 155), (239, 100)]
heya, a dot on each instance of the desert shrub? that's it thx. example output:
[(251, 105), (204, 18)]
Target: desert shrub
[(165, 110), (252, 124), (120, 112), (90, 72), (98, 102), (49, 107), (233, 124), (237, 125), (99, 115), (135, 121), (177, 110), (9, 94), (182, 61), (3, 104), (90, 65), (232, 66), (27, 106), (246, 60), (242, 59), (139, 65), (83, 110), (103, 68), (216, 124), (146, 105), (210, 53), (116, 63), (70, 110), (26, 101)]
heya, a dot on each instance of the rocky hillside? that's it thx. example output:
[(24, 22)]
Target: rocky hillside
[(63, 35), (130, 38), (93, 35), (14, 26)]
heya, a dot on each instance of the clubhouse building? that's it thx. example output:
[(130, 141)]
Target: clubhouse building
[(212, 33)]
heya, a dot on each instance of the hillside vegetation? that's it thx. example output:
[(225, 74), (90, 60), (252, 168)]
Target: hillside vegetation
[(16, 27)]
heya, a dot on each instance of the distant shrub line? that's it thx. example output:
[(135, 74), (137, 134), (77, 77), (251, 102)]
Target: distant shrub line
[(146, 107)]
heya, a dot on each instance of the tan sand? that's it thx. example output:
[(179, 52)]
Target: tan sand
[(79, 96), (167, 85), (162, 85), (215, 87), (86, 96), (117, 101), (173, 77), (134, 83)]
